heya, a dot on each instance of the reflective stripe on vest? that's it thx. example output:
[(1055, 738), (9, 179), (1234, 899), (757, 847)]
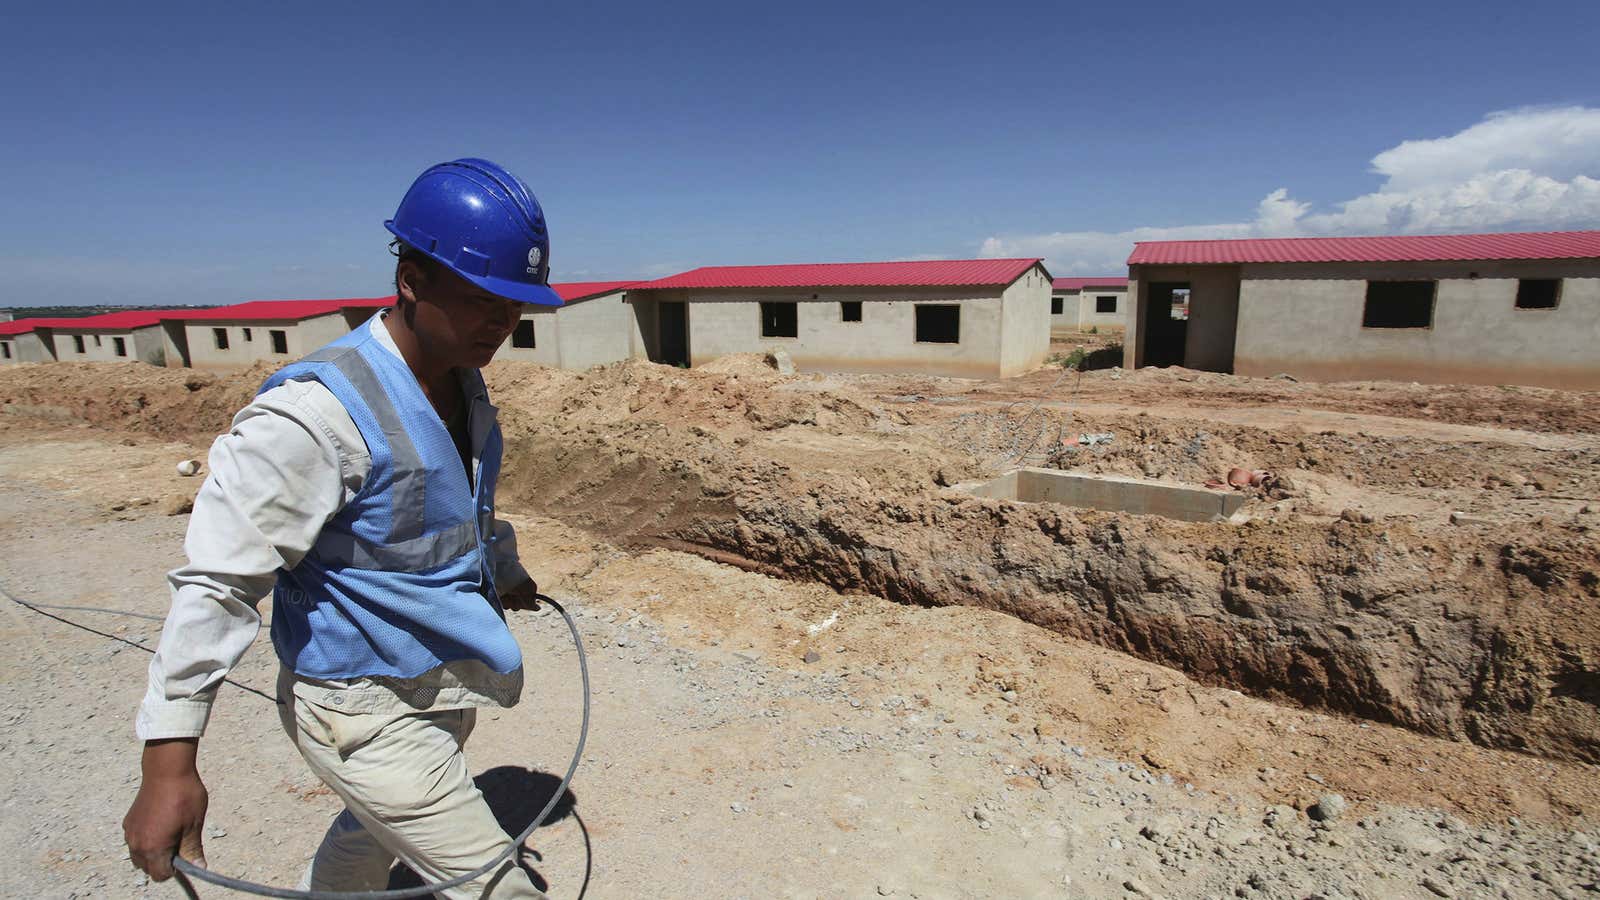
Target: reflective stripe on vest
[(379, 594)]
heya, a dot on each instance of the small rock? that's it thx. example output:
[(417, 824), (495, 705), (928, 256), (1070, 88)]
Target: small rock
[(813, 656), (779, 359), (1461, 518), (1135, 887), (177, 505), (189, 467), (885, 891), (1328, 807), (216, 832), (622, 640), (736, 807), (1280, 817), (1437, 888), (1008, 696)]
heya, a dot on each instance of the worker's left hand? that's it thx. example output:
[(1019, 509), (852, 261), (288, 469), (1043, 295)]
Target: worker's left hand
[(524, 596)]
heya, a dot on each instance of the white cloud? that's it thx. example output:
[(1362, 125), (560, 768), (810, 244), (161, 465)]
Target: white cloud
[(1527, 169)]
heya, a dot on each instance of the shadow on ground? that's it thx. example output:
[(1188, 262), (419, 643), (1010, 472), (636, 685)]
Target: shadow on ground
[(515, 795)]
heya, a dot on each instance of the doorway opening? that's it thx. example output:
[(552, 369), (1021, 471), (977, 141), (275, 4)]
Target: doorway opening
[(674, 324), (1166, 323)]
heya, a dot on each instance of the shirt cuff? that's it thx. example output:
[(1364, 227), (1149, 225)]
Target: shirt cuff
[(161, 719)]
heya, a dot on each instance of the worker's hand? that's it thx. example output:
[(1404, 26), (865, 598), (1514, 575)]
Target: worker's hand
[(170, 810), (524, 596)]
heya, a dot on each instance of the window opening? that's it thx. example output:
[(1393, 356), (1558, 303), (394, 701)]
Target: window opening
[(523, 336), (280, 340), (220, 337), (77, 343), (1105, 304), (1538, 293), (938, 324), (1055, 306), (1398, 304), (780, 320), (850, 311), (121, 346), (247, 336), (5, 347)]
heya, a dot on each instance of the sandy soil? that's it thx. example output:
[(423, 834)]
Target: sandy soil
[(872, 747)]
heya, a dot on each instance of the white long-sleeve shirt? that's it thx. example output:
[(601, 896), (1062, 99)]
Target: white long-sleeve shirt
[(291, 461)]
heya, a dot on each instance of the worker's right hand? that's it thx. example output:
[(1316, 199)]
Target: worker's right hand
[(170, 810)]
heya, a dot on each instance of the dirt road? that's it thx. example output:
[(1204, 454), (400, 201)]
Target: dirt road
[(923, 752)]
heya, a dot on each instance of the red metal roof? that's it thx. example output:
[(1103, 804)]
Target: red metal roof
[(268, 310), (1395, 248), (20, 326), (934, 273), (570, 291), (1078, 284), (121, 320)]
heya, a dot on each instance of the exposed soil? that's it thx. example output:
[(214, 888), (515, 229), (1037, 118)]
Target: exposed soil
[(1346, 588)]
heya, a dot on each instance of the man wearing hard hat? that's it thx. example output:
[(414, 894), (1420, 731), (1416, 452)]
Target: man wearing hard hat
[(358, 489)]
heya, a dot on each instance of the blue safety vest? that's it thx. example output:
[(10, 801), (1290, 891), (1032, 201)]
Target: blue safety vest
[(401, 579)]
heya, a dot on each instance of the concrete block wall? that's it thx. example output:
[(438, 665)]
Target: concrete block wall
[(1067, 319), (1025, 323), (723, 322), (997, 336), (546, 349), (29, 347), (1306, 321), (1087, 303), (302, 337), (140, 344), (597, 331)]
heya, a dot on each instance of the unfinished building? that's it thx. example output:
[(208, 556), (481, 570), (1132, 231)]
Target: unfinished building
[(984, 318), (1473, 308), (233, 337), (114, 337), (593, 326), (1082, 303)]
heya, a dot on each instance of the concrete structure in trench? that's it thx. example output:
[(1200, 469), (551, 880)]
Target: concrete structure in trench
[(1109, 492), (1078, 304), (967, 318), (1481, 308)]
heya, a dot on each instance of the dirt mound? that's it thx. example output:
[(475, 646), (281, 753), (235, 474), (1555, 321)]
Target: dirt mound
[(740, 364), (635, 391), (175, 403)]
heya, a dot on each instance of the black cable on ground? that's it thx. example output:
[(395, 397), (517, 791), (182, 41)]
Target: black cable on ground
[(183, 869), (41, 608)]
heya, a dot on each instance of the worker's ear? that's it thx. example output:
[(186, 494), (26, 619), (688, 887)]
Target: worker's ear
[(408, 276)]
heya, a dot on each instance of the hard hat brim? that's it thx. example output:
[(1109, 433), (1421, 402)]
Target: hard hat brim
[(538, 294)]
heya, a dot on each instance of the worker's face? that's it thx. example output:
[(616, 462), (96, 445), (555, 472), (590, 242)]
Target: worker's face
[(455, 320)]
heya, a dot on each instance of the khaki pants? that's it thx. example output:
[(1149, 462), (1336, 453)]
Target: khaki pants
[(407, 796)]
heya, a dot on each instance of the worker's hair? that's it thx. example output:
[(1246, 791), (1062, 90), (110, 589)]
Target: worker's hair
[(404, 252)]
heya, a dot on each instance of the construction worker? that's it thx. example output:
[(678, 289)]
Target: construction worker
[(358, 488)]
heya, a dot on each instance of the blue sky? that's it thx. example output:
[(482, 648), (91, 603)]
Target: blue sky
[(222, 152)]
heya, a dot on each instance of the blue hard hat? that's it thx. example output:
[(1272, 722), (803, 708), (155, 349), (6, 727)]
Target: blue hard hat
[(482, 223)]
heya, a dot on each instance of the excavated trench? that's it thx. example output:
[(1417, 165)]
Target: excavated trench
[(1486, 635), (1486, 644)]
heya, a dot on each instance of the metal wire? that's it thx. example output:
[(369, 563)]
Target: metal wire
[(183, 869)]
